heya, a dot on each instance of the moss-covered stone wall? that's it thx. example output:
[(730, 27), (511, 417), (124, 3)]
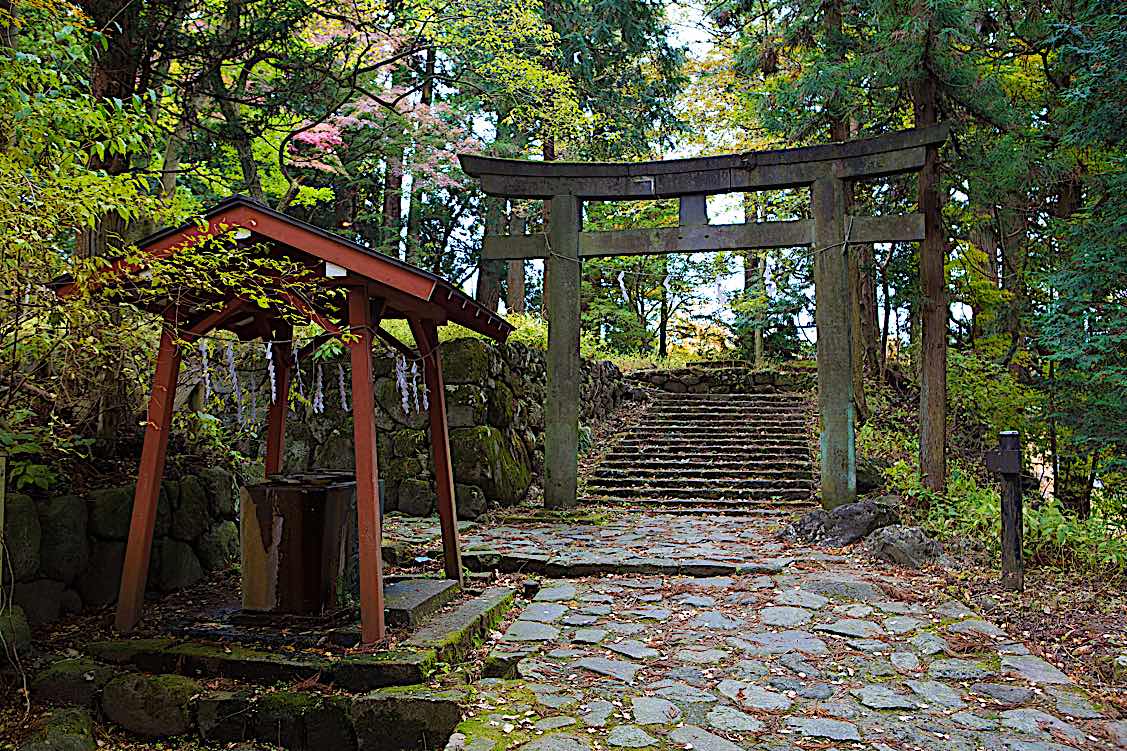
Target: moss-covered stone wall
[(494, 406), (66, 552), (726, 378)]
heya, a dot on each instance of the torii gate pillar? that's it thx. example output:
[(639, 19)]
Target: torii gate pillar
[(561, 405), (832, 316)]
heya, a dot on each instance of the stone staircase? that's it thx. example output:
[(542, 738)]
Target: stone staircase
[(748, 451)]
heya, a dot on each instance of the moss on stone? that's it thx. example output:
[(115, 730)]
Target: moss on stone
[(494, 461)]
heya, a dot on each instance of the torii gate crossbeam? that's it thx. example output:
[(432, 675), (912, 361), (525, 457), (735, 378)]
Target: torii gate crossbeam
[(824, 169)]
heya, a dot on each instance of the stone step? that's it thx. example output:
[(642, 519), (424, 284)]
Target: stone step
[(680, 498), (740, 483), (726, 408), (736, 443), (718, 431), (642, 474), (635, 463), (734, 418), (743, 427), (710, 493), (792, 456)]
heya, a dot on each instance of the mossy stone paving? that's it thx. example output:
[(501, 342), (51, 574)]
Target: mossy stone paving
[(817, 655)]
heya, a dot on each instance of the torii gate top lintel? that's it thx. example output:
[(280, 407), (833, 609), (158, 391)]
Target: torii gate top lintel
[(895, 153)]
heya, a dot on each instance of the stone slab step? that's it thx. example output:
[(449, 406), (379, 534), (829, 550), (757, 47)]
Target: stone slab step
[(728, 410), (742, 483), (675, 491), (703, 471), (730, 444), (452, 634), (705, 505), (408, 602), (796, 422), (791, 457), (194, 658)]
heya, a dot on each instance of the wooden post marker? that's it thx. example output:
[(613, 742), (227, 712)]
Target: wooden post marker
[(1006, 461)]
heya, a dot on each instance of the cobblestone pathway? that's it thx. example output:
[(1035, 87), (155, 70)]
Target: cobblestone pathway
[(790, 648)]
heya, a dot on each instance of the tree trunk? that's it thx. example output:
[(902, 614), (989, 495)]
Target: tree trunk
[(933, 301), (489, 272), (515, 287), (414, 209)]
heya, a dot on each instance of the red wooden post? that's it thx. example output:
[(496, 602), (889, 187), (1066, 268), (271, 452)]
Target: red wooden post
[(135, 571), (426, 339), (280, 407), (367, 472)]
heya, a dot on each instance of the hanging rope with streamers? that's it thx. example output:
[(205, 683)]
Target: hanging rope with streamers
[(236, 393), (401, 383), (270, 371), (340, 385), (318, 393), (415, 383), (206, 371)]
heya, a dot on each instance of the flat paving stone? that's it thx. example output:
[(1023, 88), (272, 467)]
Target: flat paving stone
[(617, 669), (651, 613), (801, 598), (929, 644), (543, 612), (905, 662), (630, 736), (936, 693), (784, 615), (883, 697), (729, 720), (632, 648), (651, 710), (851, 627), (408, 602), (820, 727), (713, 619), (530, 631), (625, 628), (957, 669), (1036, 722), (1003, 693), (1074, 705), (701, 656), (699, 739), (555, 723), (589, 635), (696, 601), (686, 694), (978, 627), (753, 696), (597, 713), (558, 742), (1033, 669), (778, 642), (901, 624), (579, 619), (556, 593)]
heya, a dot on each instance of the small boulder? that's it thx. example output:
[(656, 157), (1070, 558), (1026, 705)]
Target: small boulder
[(14, 630), (845, 524), (906, 546), (220, 487), (22, 536), (155, 706), (65, 730), (178, 565), (191, 516), (98, 584), (469, 500), (219, 548), (41, 600), (415, 497), (74, 682), (65, 549), (870, 475)]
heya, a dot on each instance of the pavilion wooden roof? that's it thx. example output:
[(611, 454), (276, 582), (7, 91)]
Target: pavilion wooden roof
[(406, 290)]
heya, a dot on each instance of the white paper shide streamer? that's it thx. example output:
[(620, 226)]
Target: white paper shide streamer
[(340, 384), (270, 371), (206, 370), (236, 393), (319, 392), (401, 383)]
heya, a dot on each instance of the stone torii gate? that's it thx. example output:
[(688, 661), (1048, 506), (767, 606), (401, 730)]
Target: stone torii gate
[(824, 169)]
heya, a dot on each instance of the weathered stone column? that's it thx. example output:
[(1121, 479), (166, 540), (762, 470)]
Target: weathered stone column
[(832, 316), (561, 400)]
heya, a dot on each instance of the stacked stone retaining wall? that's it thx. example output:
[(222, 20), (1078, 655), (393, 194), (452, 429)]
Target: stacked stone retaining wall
[(725, 378), (66, 552), (495, 411)]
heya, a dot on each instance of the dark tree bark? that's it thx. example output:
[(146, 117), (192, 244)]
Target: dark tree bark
[(489, 272)]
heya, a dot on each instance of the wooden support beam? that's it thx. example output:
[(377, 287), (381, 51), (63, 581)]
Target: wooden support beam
[(561, 399), (832, 318), (426, 338), (895, 228), (361, 321), (135, 569), (692, 212), (693, 239), (281, 353)]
